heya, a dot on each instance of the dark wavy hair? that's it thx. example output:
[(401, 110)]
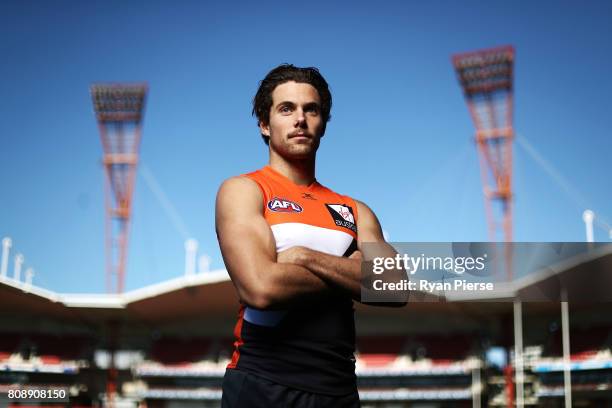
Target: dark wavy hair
[(262, 102)]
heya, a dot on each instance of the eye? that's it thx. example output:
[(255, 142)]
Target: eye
[(285, 109), (313, 109)]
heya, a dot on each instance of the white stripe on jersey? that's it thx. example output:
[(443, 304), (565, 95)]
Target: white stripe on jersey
[(320, 239)]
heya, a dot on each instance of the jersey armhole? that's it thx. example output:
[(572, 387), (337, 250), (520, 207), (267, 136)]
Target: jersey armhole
[(356, 209)]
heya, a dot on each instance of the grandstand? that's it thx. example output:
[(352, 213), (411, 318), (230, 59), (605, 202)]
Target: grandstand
[(170, 344)]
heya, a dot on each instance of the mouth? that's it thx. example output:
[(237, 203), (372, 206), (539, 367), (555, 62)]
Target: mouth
[(300, 135)]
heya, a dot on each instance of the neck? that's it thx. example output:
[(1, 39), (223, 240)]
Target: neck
[(301, 172)]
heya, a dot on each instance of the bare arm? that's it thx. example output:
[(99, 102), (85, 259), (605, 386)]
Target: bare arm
[(343, 273), (249, 250), (346, 272), (370, 232)]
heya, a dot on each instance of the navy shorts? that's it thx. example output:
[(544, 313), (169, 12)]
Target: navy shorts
[(245, 390)]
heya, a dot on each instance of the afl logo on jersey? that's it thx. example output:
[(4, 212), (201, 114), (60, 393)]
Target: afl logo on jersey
[(282, 205)]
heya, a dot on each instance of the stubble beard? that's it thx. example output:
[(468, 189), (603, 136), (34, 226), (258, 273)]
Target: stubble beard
[(291, 151)]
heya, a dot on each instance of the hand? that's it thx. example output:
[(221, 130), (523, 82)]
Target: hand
[(294, 255), (356, 255)]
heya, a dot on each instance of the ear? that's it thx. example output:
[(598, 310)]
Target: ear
[(264, 129)]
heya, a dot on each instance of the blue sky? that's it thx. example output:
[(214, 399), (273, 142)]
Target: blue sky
[(400, 138)]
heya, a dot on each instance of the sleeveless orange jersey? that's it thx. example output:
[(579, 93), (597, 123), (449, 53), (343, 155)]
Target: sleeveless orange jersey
[(310, 346)]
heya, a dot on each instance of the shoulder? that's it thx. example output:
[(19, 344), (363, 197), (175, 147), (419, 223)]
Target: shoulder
[(248, 182), (363, 207), (368, 224), (239, 191), (366, 215), (238, 184)]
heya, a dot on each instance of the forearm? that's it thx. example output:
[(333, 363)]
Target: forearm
[(286, 283), (346, 274), (341, 272)]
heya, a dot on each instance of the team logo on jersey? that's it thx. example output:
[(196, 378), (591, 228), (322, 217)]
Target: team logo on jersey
[(342, 215), (283, 205)]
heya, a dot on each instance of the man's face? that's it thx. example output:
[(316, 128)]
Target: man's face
[(295, 124)]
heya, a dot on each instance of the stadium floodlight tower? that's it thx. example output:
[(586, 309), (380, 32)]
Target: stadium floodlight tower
[(486, 77), (119, 111)]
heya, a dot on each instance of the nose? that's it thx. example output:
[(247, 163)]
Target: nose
[(300, 120)]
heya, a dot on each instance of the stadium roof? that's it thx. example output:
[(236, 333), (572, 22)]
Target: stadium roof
[(182, 297), (585, 277), (212, 294)]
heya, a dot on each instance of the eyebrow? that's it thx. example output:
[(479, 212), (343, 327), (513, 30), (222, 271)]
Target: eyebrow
[(292, 104)]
